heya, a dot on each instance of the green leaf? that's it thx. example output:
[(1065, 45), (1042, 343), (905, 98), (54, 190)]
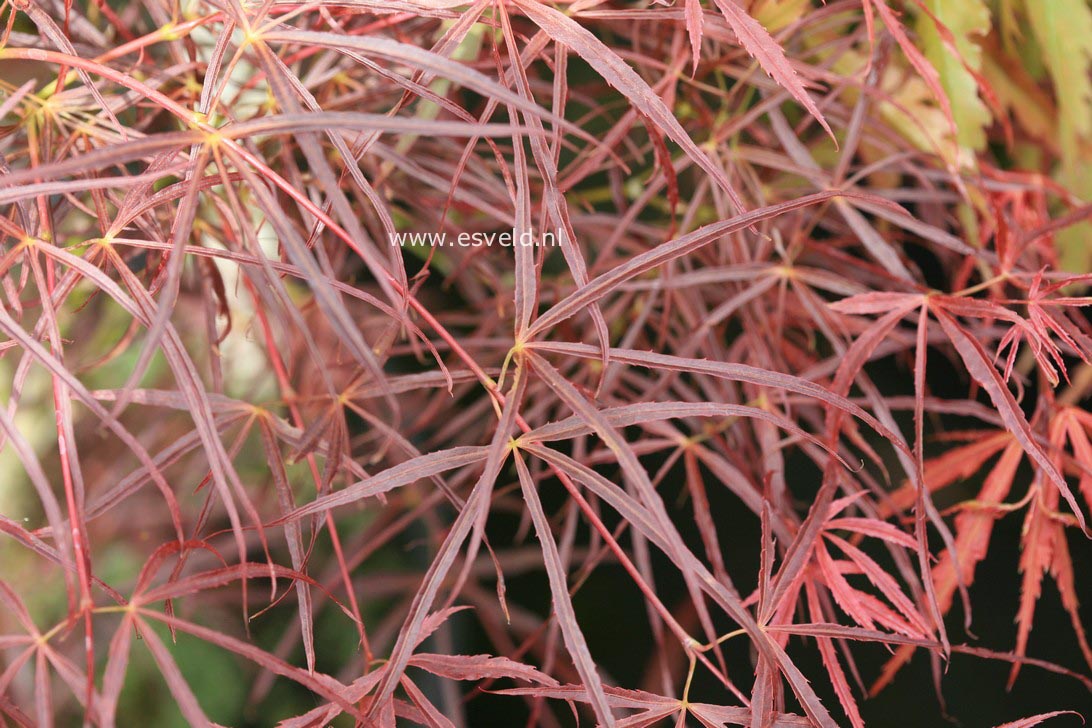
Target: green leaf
[(965, 21), (1064, 31)]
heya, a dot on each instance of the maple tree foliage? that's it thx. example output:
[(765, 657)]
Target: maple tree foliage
[(802, 331)]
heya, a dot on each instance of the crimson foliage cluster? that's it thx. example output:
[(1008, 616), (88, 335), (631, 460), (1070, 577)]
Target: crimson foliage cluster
[(786, 342)]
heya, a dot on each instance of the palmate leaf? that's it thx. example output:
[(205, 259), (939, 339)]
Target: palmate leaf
[(979, 366), (974, 526), (526, 278), (983, 371), (1043, 543)]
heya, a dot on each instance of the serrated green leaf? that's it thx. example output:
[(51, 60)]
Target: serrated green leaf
[(966, 20), (1063, 29)]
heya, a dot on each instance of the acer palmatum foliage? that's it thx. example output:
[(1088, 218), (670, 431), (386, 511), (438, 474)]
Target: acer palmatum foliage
[(792, 325)]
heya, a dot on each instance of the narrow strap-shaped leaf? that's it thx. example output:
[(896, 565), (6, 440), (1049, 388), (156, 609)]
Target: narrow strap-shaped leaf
[(496, 454), (563, 607)]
